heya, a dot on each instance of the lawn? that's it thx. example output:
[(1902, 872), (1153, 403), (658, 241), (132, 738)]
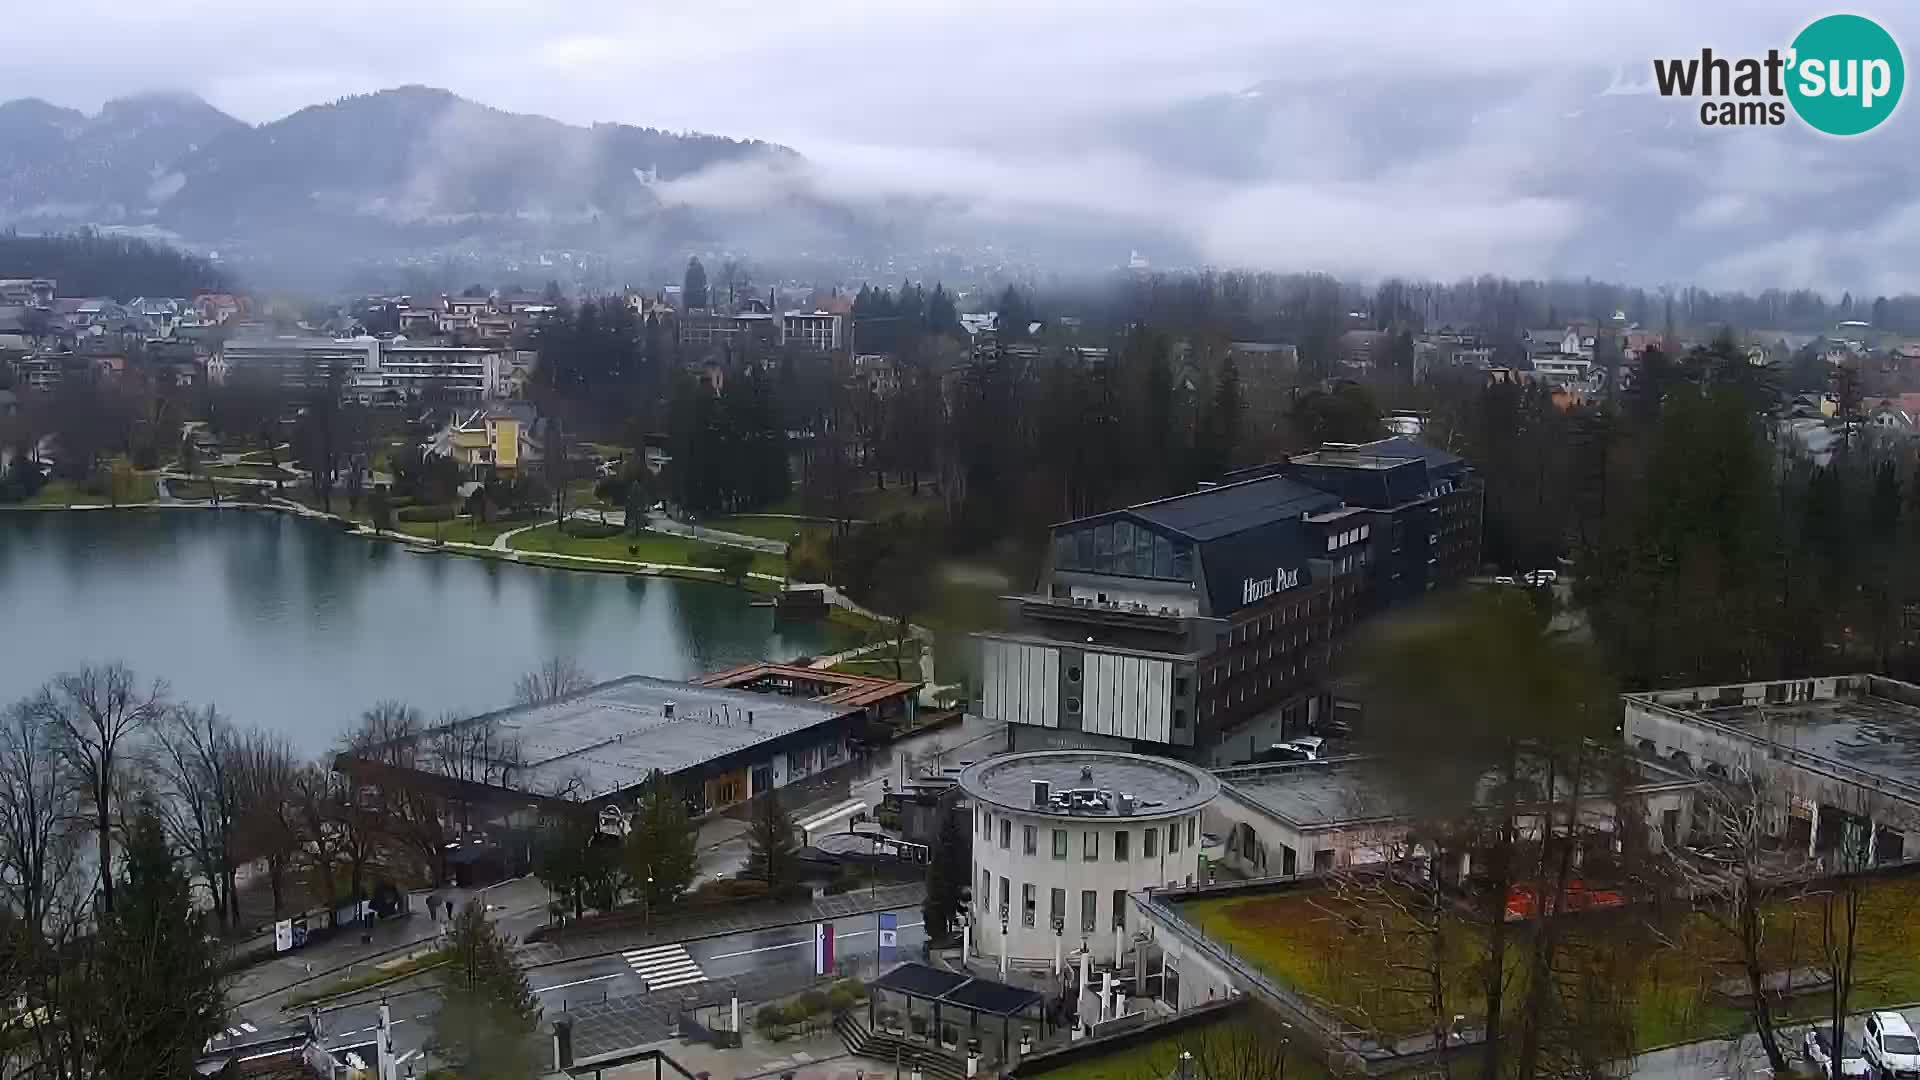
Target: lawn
[(460, 530), (648, 546), (251, 472), (768, 528), (1659, 968), (62, 493)]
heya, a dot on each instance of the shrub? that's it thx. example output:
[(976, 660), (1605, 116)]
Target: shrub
[(811, 1002), (840, 999), (770, 1016), (426, 513)]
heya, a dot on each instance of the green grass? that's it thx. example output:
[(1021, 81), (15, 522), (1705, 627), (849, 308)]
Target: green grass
[(462, 530), (648, 546), (1661, 967), (768, 528), (251, 472), (411, 964), (61, 493)]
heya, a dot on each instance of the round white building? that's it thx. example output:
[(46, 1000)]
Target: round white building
[(1061, 837)]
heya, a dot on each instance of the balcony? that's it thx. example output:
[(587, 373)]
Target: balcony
[(1093, 613)]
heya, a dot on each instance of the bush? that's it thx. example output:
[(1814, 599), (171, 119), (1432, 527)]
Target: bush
[(840, 999), (811, 1003), (419, 514), (769, 1016)]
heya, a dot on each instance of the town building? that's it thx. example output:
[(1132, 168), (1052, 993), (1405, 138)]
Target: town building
[(596, 748), (888, 702), (498, 438), (1287, 819), (815, 331), (295, 363), (1838, 758), (1203, 625), (28, 292), (462, 372), (1061, 838)]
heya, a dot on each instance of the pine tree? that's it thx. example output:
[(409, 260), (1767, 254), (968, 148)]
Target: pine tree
[(660, 855), (772, 856), (693, 292), (947, 873), (488, 1013), (156, 978)]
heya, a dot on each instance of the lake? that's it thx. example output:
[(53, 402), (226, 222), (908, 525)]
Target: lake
[(292, 625)]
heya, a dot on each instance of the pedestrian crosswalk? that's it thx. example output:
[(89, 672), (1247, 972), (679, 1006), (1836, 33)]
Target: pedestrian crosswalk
[(665, 966)]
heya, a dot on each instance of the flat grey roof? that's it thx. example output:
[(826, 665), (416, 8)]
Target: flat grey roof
[(1161, 787), (1342, 790), (1856, 728), (613, 736), (1317, 794)]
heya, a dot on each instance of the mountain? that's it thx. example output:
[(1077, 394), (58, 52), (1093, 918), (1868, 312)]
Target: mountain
[(407, 168), (1580, 170), (61, 166)]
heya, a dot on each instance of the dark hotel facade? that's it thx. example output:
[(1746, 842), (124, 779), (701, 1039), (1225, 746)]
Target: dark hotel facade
[(1202, 626)]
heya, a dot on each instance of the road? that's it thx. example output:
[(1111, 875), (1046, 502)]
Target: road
[(761, 964), (1736, 1059)]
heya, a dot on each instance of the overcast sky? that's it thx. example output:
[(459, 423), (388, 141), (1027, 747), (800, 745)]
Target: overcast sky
[(1023, 108)]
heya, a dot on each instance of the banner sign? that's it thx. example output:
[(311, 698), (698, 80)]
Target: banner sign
[(889, 936), (823, 949)]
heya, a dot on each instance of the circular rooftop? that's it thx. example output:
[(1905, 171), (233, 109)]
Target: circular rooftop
[(1089, 784)]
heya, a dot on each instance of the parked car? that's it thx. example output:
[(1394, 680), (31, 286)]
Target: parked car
[(1891, 1048), (1333, 727), (1304, 748), (1503, 579), (1819, 1054)]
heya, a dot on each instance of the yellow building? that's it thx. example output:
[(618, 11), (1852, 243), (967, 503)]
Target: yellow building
[(502, 437)]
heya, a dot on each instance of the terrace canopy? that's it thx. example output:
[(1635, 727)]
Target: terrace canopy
[(958, 990)]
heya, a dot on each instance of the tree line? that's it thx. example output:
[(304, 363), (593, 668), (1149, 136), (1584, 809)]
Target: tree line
[(88, 263)]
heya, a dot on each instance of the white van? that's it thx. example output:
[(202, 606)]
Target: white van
[(1891, 1047)]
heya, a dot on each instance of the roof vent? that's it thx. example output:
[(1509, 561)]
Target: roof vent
[(1126, 804), (667, 709), (1041, 790), (749, 717)]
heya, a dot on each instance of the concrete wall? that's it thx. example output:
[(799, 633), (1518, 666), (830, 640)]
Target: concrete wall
[(1075, 874)]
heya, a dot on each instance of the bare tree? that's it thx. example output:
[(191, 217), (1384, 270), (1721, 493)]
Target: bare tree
[(267, 824), (392, 737), (97, 712), (39, 808), (317, 797), (559, 677), (196, 759), (1738, 893)]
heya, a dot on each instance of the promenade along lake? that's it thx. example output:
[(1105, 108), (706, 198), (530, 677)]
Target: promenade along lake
[(295, 626)]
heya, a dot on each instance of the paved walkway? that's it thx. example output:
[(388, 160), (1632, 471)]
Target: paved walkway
[(337, 957)]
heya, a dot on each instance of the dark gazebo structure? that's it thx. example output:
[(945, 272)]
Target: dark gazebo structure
[(957, 990)]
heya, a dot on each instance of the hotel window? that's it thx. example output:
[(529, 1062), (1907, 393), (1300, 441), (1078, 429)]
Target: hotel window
[(1120, 846), (1162, 557), (1119, 912), (1027, 904), (1059, 843), (1150, 843), (1173, 839), (1193, 825), (1029, 839), (1103, 548), (1006, 888), (986, 888), (1006, 833), (1142, 553), (1057, 909), (1090, 845), (1182, 561), (1089, 911)]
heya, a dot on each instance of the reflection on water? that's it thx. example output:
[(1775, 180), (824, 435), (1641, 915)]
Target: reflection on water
[(289, 624)]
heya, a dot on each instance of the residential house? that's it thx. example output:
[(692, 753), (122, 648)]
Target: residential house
[(818, 330), (28, 292), (1362, 348), (501, 437)]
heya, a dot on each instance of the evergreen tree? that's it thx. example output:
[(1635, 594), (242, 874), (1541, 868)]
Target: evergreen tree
[(155, 974), (772, 856), (488, 1014), (947, 873), (659, 854), (693, 291)]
